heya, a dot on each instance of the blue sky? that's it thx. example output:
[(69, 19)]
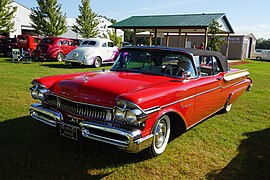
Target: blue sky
[(245, 16)]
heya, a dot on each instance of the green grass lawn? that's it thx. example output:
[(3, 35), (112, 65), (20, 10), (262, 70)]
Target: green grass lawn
[(235, 145)]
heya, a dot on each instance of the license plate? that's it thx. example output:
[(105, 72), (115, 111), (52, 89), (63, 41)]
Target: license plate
[(69, 131)]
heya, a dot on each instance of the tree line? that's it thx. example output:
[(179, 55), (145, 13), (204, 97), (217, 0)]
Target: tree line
[(48, 20), (263, 43)]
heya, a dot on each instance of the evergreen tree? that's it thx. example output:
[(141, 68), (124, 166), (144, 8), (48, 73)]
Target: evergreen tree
[(7, 13), (113, 37), (216, 42), (48, 19), (86, 22)]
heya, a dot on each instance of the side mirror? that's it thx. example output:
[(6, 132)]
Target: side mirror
[(186, 74)]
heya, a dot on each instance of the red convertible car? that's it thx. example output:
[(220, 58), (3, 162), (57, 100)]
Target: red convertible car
[(148, 93)]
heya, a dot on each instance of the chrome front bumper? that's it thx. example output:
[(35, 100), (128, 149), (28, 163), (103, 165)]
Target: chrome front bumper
[(129, 140), (73, 61)]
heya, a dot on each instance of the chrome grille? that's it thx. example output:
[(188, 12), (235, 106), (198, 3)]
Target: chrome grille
[(84, 110)]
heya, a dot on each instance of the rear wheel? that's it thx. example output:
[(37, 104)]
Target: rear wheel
[(98, 62), (226, 108), (161, 133), (60, 57)]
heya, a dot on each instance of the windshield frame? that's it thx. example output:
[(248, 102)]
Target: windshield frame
[(160, 60)]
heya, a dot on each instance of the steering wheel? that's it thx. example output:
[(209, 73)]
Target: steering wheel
[(174, 70)]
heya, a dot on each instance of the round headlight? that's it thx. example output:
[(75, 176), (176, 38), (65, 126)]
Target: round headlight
[(119, 114), (41, 96), (34, 94), (130, 117)]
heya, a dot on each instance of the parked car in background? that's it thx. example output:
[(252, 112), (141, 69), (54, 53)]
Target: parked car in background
[(54, 48), (95, 51), (77, 42), (28, 43), (7, 45), (149, 92), (262, 54), (2, 43)]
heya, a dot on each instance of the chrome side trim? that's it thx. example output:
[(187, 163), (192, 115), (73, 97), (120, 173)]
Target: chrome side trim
[(155, 109), (204, 119), (152, 110), (187, 98)]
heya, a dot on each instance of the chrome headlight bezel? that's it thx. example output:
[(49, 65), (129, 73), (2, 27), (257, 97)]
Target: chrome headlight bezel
[(129, 112), (39, 92)]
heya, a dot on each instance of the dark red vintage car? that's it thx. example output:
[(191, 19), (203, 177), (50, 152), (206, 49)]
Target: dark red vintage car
[(55, 48), (149, 92), (7, 44)]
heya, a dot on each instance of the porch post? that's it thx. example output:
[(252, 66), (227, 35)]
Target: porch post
[(155, 37), (205, 38), (167, 40), (179, 38), (151, 39), (185, 42), (134, 37), (228, 45)]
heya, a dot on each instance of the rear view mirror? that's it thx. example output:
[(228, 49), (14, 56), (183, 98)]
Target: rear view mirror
[(186, 74)]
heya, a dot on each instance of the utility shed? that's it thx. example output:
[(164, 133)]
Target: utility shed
[(183, 25)]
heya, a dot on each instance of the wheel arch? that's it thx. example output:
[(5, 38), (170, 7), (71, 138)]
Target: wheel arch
[(177, 120)]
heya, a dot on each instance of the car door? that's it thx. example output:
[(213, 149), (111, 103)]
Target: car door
[(66, 47), (209, 89), (108, 51)]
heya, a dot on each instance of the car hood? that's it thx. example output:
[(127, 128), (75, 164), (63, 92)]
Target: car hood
[(103, 88)]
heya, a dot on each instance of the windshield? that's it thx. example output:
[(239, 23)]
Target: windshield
[(89, 42), (154, 62)]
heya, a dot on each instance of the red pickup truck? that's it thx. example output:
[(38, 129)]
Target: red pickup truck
[(28, 43)]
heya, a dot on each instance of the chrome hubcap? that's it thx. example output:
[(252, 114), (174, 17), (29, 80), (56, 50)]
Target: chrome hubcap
[(160, 133)]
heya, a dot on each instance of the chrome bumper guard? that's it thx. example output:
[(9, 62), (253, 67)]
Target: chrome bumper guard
[(129, 140), (47, 116)]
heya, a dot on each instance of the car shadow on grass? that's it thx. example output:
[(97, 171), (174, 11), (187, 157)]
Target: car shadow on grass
[(63, 66), (252, 161), (33, 150)]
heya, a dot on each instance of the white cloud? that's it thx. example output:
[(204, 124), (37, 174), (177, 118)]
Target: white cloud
[(260, 31)]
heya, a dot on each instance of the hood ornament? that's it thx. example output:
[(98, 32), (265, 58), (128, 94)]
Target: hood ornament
[(85, 79)]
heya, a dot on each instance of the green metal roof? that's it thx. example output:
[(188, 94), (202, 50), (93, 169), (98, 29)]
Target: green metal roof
[(171, 21)]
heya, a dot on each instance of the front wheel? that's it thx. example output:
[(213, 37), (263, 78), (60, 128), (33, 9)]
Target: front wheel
[(161, 133), (60, 57)]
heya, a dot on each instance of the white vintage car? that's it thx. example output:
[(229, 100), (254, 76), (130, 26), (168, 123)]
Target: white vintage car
[(263, 54), (94, 52)]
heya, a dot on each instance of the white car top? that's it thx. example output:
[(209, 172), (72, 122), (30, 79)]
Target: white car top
[(92, 50)]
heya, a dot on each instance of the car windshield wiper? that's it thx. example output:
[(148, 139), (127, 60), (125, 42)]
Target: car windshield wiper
[(125, 70)]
